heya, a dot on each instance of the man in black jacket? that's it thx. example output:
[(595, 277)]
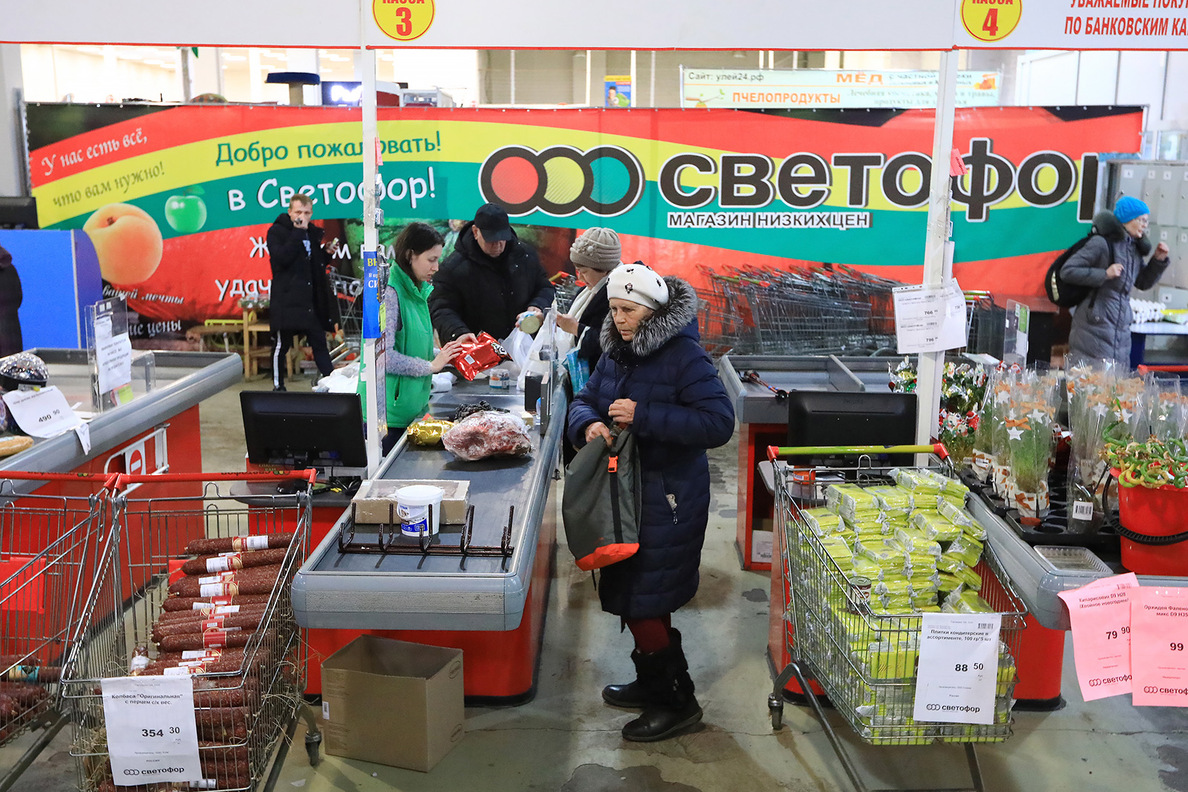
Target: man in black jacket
[(302, 300), (492, 281)]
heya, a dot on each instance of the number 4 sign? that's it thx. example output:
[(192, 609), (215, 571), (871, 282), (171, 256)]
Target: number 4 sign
[(990, 22)]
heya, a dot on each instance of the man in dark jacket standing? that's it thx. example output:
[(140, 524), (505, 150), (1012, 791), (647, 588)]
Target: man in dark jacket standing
[(302, 301), (492, 282)]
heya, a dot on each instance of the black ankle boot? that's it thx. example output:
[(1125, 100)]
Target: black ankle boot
[(636, 694), (632, 695), (673, 706)]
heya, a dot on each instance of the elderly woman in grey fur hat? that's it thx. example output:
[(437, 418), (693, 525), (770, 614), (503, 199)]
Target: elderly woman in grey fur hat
[(655, 378), (593, 254)]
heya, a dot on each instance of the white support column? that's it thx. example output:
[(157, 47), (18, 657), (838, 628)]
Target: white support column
[(634, 86), (652, 86), (366, 63), (938, 267)]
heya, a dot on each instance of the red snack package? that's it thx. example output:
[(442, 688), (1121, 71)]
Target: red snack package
[(483, 354)]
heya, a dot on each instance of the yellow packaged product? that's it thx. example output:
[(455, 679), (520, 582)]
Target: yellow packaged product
[(916, 481), (867, 568), (892, 588), (898, 605), (891, 498), (925, 600), (866, 525), (964, 600), (966, 549), (850, 499), (821, 521), (969, 578), (887, 558), (917, 562), (934, 526), (837, 548), (914, 540), (948, 582)]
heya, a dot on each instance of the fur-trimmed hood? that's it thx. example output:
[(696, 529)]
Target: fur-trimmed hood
[(1107, 225), (669, 321)]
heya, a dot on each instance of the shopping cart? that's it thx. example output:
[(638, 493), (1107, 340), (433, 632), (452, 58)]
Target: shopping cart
[(349, 293), (248, 682), (832, 633), (47, 549)]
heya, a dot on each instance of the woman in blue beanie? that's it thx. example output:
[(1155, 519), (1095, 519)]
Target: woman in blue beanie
[(1111, 263)]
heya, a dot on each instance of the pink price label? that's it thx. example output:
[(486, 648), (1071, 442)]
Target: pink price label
[(1101, 631), (1159, 647)]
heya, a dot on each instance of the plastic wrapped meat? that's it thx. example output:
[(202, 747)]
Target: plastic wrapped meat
[(488, 434)]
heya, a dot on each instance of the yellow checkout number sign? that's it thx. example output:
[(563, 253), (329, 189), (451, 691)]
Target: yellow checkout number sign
[(403, 20), (991, 20)]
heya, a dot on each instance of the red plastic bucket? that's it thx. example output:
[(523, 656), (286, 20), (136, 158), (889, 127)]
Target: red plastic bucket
[(1150, 518)]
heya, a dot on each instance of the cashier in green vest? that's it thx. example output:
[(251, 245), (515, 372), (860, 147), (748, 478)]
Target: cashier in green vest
[(410, 360)]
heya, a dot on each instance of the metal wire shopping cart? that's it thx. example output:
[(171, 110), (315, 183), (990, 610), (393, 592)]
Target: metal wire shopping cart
[(864, 660), (47, 549), (149, 612), (349, 292)]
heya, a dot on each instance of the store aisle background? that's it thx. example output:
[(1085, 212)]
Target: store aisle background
[(567, 740)]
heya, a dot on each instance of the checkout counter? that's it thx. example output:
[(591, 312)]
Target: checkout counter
[(489, 604), (763, 421), (157, 430)]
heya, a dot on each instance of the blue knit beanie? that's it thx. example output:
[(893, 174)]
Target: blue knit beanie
[(1129, 208)]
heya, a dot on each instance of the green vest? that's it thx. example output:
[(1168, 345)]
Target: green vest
[(408, 397)]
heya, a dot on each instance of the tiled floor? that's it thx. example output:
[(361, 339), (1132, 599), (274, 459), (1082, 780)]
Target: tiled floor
[(567, 740)]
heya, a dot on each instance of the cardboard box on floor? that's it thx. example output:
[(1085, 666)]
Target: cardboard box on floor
[(393, 702), (373, 498)]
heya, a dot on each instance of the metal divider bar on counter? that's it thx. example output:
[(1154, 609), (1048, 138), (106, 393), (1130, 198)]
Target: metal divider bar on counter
[(388, 538)]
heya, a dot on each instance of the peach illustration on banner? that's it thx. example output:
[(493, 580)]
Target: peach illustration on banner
[(127, 241)]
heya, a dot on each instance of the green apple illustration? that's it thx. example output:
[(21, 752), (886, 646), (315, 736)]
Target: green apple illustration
[(186, 213)]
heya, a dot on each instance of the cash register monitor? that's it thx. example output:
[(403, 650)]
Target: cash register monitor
[(832, 418), (303, 430)]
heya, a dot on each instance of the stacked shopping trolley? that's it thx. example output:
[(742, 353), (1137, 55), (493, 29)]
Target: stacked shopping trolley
[(810, 311)]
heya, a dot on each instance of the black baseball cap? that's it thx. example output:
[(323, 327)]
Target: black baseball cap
[(491, 219)]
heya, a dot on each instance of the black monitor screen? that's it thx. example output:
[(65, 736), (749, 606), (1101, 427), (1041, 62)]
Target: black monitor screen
[(831, 418), (18, 212), (322, 430)]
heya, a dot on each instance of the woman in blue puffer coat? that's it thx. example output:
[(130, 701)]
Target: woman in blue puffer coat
[(655, 378), (1111, 263)]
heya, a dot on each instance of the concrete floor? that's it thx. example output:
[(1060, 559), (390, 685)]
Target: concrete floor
[(567, 740)]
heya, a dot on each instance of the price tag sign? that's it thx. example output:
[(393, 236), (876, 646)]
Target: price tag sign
[(929, 319), (41, 413), (151, 735), (1100, 616), (958, 667), (1159, 646)]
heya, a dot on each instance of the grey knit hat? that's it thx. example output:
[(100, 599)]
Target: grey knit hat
[(598, 249)]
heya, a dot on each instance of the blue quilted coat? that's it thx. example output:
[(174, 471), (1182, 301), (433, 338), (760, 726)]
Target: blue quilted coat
[(681, 410)]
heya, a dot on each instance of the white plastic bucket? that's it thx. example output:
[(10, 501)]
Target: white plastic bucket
[(412, 507)]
